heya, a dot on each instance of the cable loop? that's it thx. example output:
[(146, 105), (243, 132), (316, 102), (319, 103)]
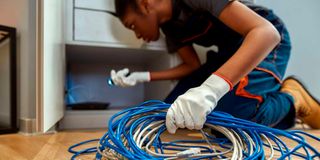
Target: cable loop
[(135, 133)]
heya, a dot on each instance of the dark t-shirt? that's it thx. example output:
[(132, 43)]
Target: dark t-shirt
[(196, 21)]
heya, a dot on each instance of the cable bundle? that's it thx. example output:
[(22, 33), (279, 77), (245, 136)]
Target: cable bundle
[(135, 133)]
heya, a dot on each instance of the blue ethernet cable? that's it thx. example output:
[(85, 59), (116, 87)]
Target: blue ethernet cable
[(135, 133)]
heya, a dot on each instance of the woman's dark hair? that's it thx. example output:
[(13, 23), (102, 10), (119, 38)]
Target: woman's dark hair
[(121, 6)]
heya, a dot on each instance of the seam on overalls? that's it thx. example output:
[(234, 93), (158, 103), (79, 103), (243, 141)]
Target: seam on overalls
[(198, 35), (275, 55), (242, 92), (270, 72)]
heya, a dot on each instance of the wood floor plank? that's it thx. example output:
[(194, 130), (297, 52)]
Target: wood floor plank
[(8, 153), (55, 146), (26, 146)]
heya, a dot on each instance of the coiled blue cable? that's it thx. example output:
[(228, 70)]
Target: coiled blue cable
[(120, 142)]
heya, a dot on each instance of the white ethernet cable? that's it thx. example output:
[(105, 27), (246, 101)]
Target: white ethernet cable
[(134, 133)]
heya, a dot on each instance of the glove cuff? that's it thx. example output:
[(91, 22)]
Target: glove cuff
[(217, 85), (227, 80), (143, 76)]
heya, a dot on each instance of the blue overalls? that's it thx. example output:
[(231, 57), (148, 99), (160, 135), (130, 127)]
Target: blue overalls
[(256, 97)]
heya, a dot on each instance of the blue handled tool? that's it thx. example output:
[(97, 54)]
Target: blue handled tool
[(110, 82)]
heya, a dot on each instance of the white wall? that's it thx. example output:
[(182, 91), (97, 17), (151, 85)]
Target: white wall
[(21, 14), (302, 20)]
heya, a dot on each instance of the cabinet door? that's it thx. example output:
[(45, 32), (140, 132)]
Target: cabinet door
[(50, 63), (100, 27), (89, 24), (95, 4)]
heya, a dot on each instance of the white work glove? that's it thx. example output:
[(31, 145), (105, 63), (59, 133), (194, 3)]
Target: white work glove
[(191, 108), (124, 78)]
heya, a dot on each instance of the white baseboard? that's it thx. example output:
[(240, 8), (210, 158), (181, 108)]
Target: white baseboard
[(86, 119)]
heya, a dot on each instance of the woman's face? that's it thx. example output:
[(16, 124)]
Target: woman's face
[(145, 25)]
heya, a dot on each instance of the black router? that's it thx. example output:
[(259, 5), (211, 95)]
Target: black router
[(89, 106)]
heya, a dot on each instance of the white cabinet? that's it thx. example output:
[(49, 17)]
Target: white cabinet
[(95, 4), (88, 23), (97, 42), (50, 63)]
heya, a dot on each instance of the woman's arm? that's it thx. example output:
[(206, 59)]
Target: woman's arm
[(190, 62), (260, 38)]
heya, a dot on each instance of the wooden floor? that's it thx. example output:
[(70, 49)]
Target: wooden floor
[(55, 146)]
